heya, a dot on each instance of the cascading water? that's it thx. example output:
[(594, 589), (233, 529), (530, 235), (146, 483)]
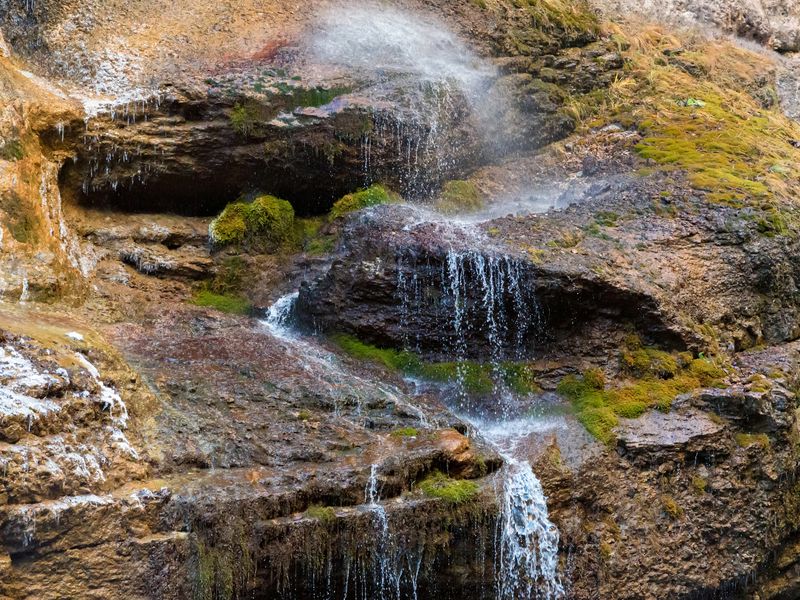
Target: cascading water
[(486, 296), (528, 541), (388, 579), (431, 84)]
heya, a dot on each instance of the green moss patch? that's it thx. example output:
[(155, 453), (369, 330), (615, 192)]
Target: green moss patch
[(459, 197), (228, 303), (323, 514), (718, 123), (405, 432), (452, 491), (372, 196), (657, 378), (263, 224), (310, 236), (745, 440), (475, 378)]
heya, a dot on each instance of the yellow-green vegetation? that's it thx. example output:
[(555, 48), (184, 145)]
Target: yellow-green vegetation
[(263, 224), (745, 440), (475, 378), (304, 415), (653, 379), (12, 150), (563, 15), (228, 303), (223, 293), (671, 507), (405, 432), (318, 96), (324, 514), (452, 491), (759, 383), (310, 236), (704, 107), (699, 484), (372, 196), (245, 118), (459, 196)]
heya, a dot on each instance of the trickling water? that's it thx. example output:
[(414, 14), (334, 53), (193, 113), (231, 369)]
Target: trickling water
[(388, 580), (433, 85), (490, 297), (475, 298), (527, 539)]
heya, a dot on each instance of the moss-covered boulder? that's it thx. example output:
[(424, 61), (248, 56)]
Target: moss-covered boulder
[(263, 224), (372, 196)]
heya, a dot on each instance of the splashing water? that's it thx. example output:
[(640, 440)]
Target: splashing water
[(432, 80), (383, 43), (388, 578), (281, 314), (527, 539), (487, 296)]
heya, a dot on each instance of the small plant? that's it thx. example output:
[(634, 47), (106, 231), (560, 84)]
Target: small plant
[(244, 119), (452, 491), (671, 507), (607, 218), (324, 514), (405, 432), (699, 484), (372, 196), (745, 440), (304, 415)]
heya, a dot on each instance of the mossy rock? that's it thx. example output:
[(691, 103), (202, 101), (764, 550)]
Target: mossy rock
[(459, 196), (324, 514), (473, 377), (658, 378), (227, 303), (372, 196), (452, 491), (263, 224)]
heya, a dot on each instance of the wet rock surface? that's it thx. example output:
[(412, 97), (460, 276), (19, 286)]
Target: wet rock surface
[(153, 448)]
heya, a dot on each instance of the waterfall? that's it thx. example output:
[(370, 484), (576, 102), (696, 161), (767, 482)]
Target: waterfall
[(388, 579), (281, 314), (527, 541), (433, 85), (486, 296), (478, 297), (475, 297)]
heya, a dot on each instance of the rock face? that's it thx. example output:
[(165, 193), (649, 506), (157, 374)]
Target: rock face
[(152, 448), (368, 290), (771, 22), (276, 111)]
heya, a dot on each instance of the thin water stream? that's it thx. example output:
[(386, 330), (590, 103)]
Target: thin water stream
[(527, 541), (480, 292)]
